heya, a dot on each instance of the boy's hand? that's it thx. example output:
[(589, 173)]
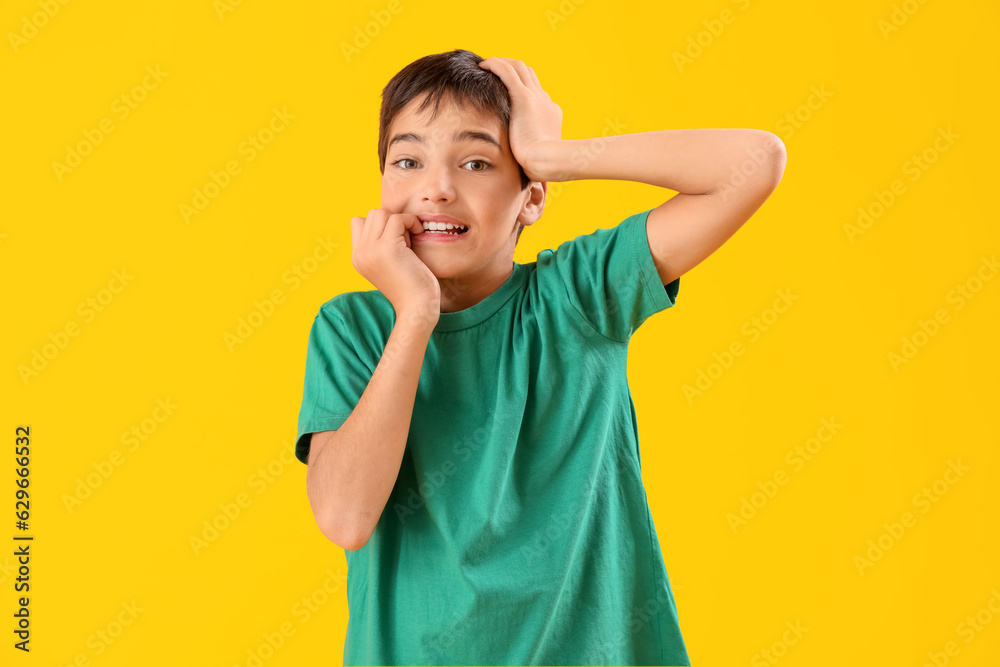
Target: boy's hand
[(381, 252), (535, 120)]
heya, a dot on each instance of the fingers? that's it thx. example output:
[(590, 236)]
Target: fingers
[(414, 225), (374, 225), (534, 77), (400, 223), (357, 232), (381, 224), (511, 72), (357, 228)]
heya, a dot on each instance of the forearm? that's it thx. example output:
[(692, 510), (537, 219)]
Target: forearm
[(354, 473), (697, 161)]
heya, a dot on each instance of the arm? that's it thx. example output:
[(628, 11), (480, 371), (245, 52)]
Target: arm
[(352, 470), (722, 175)]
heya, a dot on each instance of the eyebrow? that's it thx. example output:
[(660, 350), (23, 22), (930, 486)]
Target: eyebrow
[(465, 135)]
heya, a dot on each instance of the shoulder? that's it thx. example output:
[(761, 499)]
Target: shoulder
[(625, 235), (608, 276), (365, 318), (359, 307), (593, 253)]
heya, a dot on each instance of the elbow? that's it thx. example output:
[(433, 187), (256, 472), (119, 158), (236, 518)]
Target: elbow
[(333, 521), (760, 172), (352, 540), (774, 147), (348, 537)]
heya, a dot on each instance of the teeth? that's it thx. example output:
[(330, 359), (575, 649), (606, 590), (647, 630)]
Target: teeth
[(442, 226)]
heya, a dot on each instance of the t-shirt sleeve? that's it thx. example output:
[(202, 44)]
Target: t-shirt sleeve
[(611, 279), (335, 379)]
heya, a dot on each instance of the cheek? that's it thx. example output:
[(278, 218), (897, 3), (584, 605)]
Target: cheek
[(392, 194), (494, 190), (500, 200)]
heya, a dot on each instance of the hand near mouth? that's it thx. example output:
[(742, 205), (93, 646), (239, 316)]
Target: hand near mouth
[(381, 251)]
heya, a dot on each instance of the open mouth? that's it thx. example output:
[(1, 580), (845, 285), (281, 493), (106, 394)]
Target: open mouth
[(444, 228)]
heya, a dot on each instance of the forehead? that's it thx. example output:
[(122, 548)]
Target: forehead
[(451, 124)]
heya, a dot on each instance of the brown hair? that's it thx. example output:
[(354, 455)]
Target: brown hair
[(455, 73)]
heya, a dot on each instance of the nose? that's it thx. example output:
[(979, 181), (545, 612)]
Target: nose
[(437, 184)]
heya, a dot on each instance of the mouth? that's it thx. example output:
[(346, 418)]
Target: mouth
[(441, 226)]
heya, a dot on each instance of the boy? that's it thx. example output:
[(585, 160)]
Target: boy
[(468, 428)]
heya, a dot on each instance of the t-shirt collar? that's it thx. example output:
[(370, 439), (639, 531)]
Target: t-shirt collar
[(473, 315)]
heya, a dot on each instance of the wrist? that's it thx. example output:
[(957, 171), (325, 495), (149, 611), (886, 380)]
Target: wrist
[(549, 162), (419, 319)]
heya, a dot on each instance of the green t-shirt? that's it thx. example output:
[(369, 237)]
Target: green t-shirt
[(518, 531)]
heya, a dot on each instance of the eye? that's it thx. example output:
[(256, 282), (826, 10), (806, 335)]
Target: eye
[(486, 165), (404, 159)]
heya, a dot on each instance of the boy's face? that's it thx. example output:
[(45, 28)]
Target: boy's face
[(475, 181)]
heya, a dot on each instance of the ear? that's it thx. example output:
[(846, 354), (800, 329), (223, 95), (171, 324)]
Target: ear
[(534, 203)]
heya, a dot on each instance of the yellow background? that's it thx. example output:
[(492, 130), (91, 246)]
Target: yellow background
[(827, 356)]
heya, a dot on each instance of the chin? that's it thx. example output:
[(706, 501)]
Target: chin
[(446, 275), (443, 269)]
